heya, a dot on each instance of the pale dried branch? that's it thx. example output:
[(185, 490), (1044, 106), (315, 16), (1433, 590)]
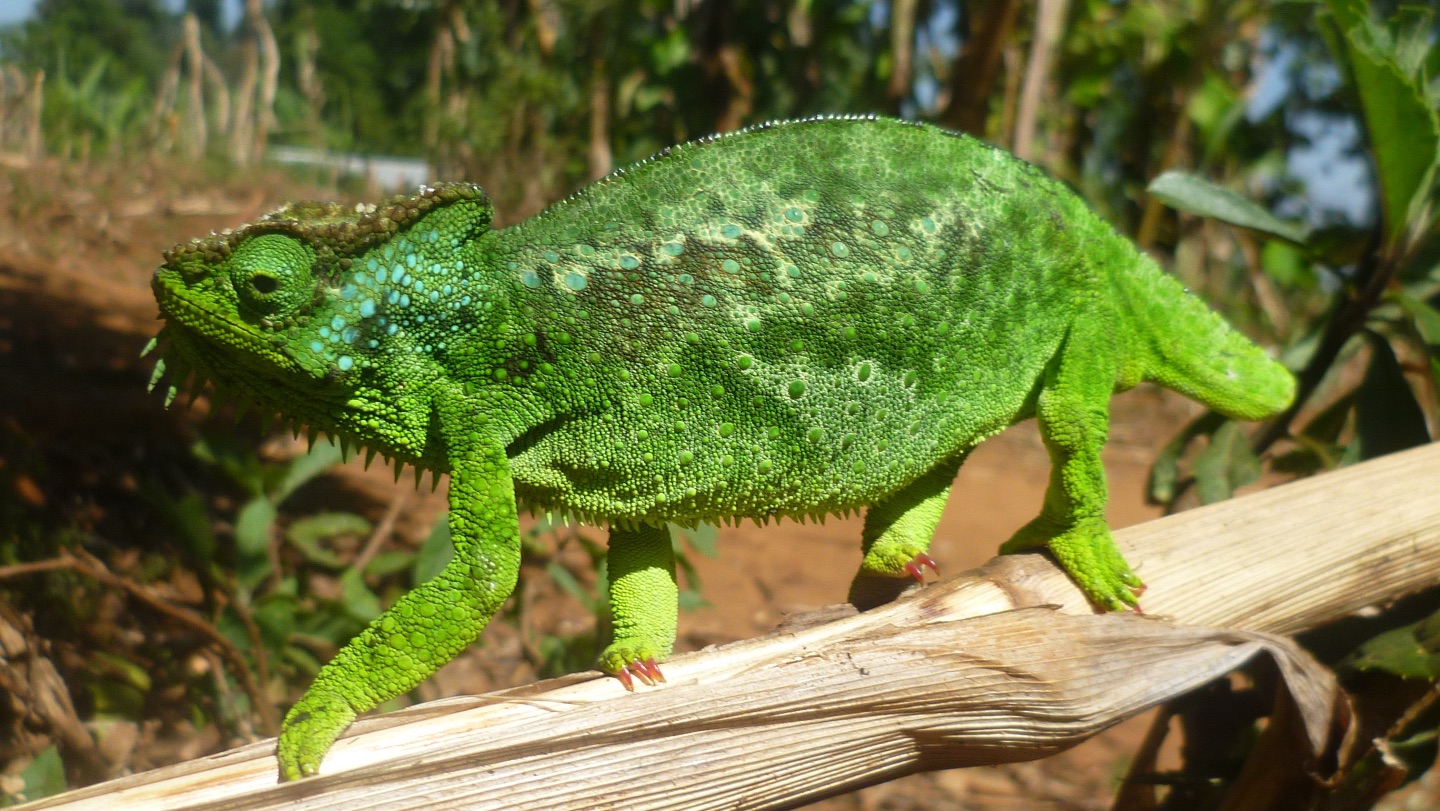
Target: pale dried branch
[(195, 127), (1049, 25), (944, 677), (269, 76), (902, 46)]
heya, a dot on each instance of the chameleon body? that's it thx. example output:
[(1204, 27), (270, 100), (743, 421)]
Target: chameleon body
[(798, 319)]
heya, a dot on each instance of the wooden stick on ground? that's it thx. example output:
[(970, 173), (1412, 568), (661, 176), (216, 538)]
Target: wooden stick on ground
[(945, 677)]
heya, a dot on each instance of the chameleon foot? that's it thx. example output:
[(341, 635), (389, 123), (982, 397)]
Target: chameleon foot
[(314, 723), (1087, 553), (630, 662), (916, 567), (645, 670)]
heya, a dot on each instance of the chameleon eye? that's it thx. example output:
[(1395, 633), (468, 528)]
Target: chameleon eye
[(264, 283), (270, 274)]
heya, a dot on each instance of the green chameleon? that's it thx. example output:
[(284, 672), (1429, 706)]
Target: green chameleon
[(798, 319)]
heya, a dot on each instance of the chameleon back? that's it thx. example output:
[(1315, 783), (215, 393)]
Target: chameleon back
[(737, 327)]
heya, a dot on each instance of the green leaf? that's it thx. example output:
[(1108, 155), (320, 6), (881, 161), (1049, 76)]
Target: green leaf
[(1403, 126), (1427, 324), (1427, 320), (187, 516), (387, 563), (309, 534), (274, 615), (1387, 417), (45, 776), (322, 457), (1199, 196), (252, 528), (435, 553), (1165, 473), (360, 602), (1287, 265), (1226, 465), (1411, 652), (1216, 108)]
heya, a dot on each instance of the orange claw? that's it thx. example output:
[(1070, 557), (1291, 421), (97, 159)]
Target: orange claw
[(647, 671), (654, 670), (916, 567)]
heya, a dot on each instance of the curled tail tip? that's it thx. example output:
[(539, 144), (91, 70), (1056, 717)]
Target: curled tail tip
[(1258, 388)]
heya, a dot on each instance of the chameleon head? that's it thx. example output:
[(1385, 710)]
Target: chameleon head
[(298, 312)]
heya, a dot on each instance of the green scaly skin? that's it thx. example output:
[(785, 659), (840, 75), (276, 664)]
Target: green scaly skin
[(795, 320)]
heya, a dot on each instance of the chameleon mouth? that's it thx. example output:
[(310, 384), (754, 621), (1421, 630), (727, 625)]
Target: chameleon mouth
[(201, 347), (187, 366)]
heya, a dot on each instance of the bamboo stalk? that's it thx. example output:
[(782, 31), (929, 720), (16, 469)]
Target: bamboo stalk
[(269, 77), (195, 128), (34, 130), (950, 675)]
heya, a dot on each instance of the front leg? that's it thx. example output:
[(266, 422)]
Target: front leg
[(430, 625)]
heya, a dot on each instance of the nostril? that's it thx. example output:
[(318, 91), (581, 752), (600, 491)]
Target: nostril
[(264, 283)]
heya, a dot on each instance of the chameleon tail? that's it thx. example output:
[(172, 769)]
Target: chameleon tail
[(1185, 346)]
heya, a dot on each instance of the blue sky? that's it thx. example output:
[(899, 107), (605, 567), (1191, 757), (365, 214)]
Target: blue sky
[(12, 11)]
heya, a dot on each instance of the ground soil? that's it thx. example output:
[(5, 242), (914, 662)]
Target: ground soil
[(77, 247)]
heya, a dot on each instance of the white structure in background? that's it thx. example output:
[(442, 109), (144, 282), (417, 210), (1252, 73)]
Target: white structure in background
[(389, 173)]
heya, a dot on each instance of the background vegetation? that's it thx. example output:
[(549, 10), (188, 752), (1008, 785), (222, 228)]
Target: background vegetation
[(1280, 156)]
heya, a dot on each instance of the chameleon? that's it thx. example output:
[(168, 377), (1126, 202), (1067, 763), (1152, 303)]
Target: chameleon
[(797, 319)]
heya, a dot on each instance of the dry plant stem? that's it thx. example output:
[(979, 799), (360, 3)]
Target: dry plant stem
[(269, 76), (944, 677), (34, 132), (902, 41), (972, 76), (195, 90), (382, 531), (1049, 20), (269, 718)]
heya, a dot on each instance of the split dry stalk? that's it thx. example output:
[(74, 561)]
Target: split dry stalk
[(1002, 664)]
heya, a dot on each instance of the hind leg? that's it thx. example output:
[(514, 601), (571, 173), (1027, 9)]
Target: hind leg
[(644, 602), (897, 536), (1074, 416)]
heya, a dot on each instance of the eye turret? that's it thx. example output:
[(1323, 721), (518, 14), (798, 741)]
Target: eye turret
[(271, 274)]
